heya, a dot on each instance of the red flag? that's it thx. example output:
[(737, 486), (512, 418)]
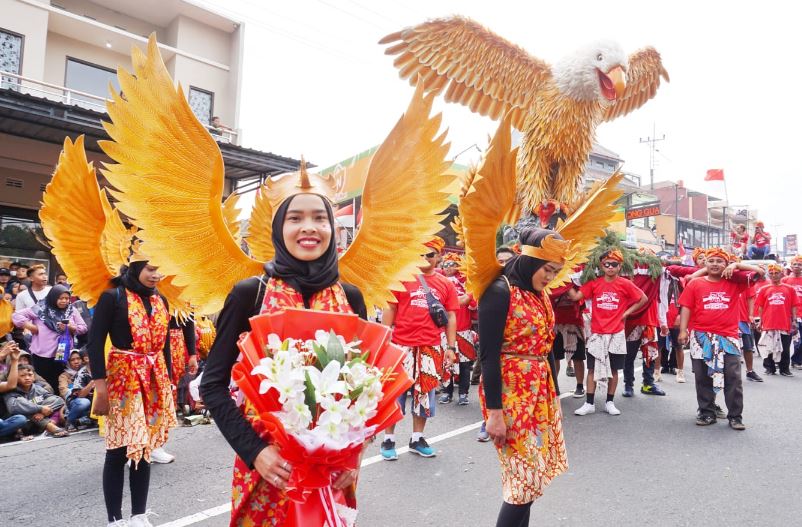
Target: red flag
[(348, 210), (715, 174), (681, 248)]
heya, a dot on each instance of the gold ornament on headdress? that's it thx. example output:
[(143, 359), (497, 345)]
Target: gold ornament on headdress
[(551, 249), (168, 177)]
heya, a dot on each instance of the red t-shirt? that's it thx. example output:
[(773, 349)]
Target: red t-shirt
[(464, 313), (413, 325), (566, 311), (714, 305), (743, 304), (762, 239), (671, 315), (777, 302), (609, 300), (796, 283), (738, 241)]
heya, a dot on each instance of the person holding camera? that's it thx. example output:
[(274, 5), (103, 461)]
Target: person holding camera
[(427, 306), (52, 322)]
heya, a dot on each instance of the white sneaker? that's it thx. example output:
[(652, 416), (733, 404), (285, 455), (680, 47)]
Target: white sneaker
[(585, 409), (118, 523), (680, 376), (141, 520), (658, 376), (160, 455), (610, 408)]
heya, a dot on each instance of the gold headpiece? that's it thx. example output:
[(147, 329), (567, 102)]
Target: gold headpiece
[(775, 268), (290, 184), (551, 249)]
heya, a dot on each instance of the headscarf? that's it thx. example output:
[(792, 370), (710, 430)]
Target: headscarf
[(775, 268), (520, 269), (436, 244), (612, 254), (48, 311), (129, 278), (696, 252), (305, 277), (717, 252), (67, 368), (796, 259)]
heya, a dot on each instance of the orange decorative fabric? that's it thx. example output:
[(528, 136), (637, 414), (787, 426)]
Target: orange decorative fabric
[(436, 244), (717, 252), (178, 354), (141, 406), (254, 501), (534, 452)]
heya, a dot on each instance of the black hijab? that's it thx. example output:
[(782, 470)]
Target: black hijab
[(48, 311), (520, 269), (305, 277), (129, 278)]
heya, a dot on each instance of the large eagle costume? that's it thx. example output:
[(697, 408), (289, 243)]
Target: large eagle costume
[(556, 107)]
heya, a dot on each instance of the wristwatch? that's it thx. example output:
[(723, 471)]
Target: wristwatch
[(452, 348)]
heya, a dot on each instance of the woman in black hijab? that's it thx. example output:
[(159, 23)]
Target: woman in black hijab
[(303, 274), (519, 402), (132, 386)]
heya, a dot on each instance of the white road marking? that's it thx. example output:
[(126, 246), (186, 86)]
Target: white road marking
[(225, 508)]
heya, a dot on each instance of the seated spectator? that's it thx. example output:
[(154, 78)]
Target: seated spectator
[(40, 407), (76, 392), (761, 243), (10, 425), (217, 128), (52, 322)]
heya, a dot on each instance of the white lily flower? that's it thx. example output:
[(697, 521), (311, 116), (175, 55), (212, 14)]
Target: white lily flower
[(334, 410), (328, 381)]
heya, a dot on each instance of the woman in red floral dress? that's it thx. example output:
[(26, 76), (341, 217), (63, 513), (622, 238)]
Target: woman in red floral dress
[(132, 386), (303, 274), (519, 402)]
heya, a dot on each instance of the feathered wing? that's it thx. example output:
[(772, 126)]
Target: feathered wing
[(260, 227), (6, 309), (169, 179), (76, 232), (644, 71), (231, 215), (485, 207), (476, 67), (402, 204), (584, 227), (115, 241)]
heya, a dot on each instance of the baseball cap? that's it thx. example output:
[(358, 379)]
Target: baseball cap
[(4, 272)]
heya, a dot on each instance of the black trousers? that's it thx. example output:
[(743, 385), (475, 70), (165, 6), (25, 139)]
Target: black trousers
[(785, 356), (49, 369), (464, 379), (733, 387)]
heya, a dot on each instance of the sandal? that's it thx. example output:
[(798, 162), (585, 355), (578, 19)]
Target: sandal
[(19, 435), (59, 432)]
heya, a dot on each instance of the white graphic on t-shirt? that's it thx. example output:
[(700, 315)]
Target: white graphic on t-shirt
[(716, 300), (608, 301), (777, 299), (417, 298)]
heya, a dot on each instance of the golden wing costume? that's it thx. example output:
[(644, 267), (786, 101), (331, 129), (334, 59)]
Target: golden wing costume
[(168, 179), (556, 107)]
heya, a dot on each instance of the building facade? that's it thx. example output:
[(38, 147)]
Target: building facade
[(58, 60)]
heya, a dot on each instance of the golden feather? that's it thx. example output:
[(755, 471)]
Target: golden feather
[(597, 211), (260, 227), (77, 233), (169, 177), (115, 243), (644, 71), (484, 208), (6, 309), (483, 71), (231, 214), (402, 204)]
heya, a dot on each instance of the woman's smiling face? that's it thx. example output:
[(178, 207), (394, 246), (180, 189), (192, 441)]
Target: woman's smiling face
[(307, 230)]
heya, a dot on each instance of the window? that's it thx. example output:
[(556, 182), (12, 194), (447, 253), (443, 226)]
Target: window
[(10, 57), (202, 104), (89, 78)]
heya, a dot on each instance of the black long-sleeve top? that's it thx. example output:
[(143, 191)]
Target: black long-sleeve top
[(493, 308), (111, 319), (242, 303)]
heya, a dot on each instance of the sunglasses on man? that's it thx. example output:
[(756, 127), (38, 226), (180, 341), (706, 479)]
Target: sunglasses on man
[(429, 255), (610, 264)]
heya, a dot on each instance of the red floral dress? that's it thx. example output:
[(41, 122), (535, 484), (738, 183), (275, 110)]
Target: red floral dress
[(178, 354), (141, 407), (254, 501), (534, 452)]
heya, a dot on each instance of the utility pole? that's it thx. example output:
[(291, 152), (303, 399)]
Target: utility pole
[(652, 140)]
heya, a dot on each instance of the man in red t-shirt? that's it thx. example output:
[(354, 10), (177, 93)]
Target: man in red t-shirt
[(761, 243), (710, 312), (795, 281), (776, 305), (466, 336), (414, 330), (746, 303), (612, 300)]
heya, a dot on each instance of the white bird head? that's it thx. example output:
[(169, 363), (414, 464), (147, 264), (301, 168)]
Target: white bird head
[(594, 72)]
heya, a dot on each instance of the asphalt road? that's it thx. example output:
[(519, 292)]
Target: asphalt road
[(649, 466)]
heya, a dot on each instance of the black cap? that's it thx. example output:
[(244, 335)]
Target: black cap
[(4, 272)]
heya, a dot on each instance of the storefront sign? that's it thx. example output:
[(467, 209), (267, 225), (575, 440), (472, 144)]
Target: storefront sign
[(636, 213)]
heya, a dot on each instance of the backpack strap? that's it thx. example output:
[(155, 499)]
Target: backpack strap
[(260, 294)]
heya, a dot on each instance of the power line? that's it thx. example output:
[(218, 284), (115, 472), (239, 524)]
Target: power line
[(353, 15), (652, 140)]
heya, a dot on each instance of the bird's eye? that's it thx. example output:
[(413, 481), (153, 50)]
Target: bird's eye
[(599, 57)]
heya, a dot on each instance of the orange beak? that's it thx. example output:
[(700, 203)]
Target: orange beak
[(619, 79)]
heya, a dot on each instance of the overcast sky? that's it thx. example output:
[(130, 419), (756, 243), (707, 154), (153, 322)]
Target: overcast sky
[(317, 84)]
